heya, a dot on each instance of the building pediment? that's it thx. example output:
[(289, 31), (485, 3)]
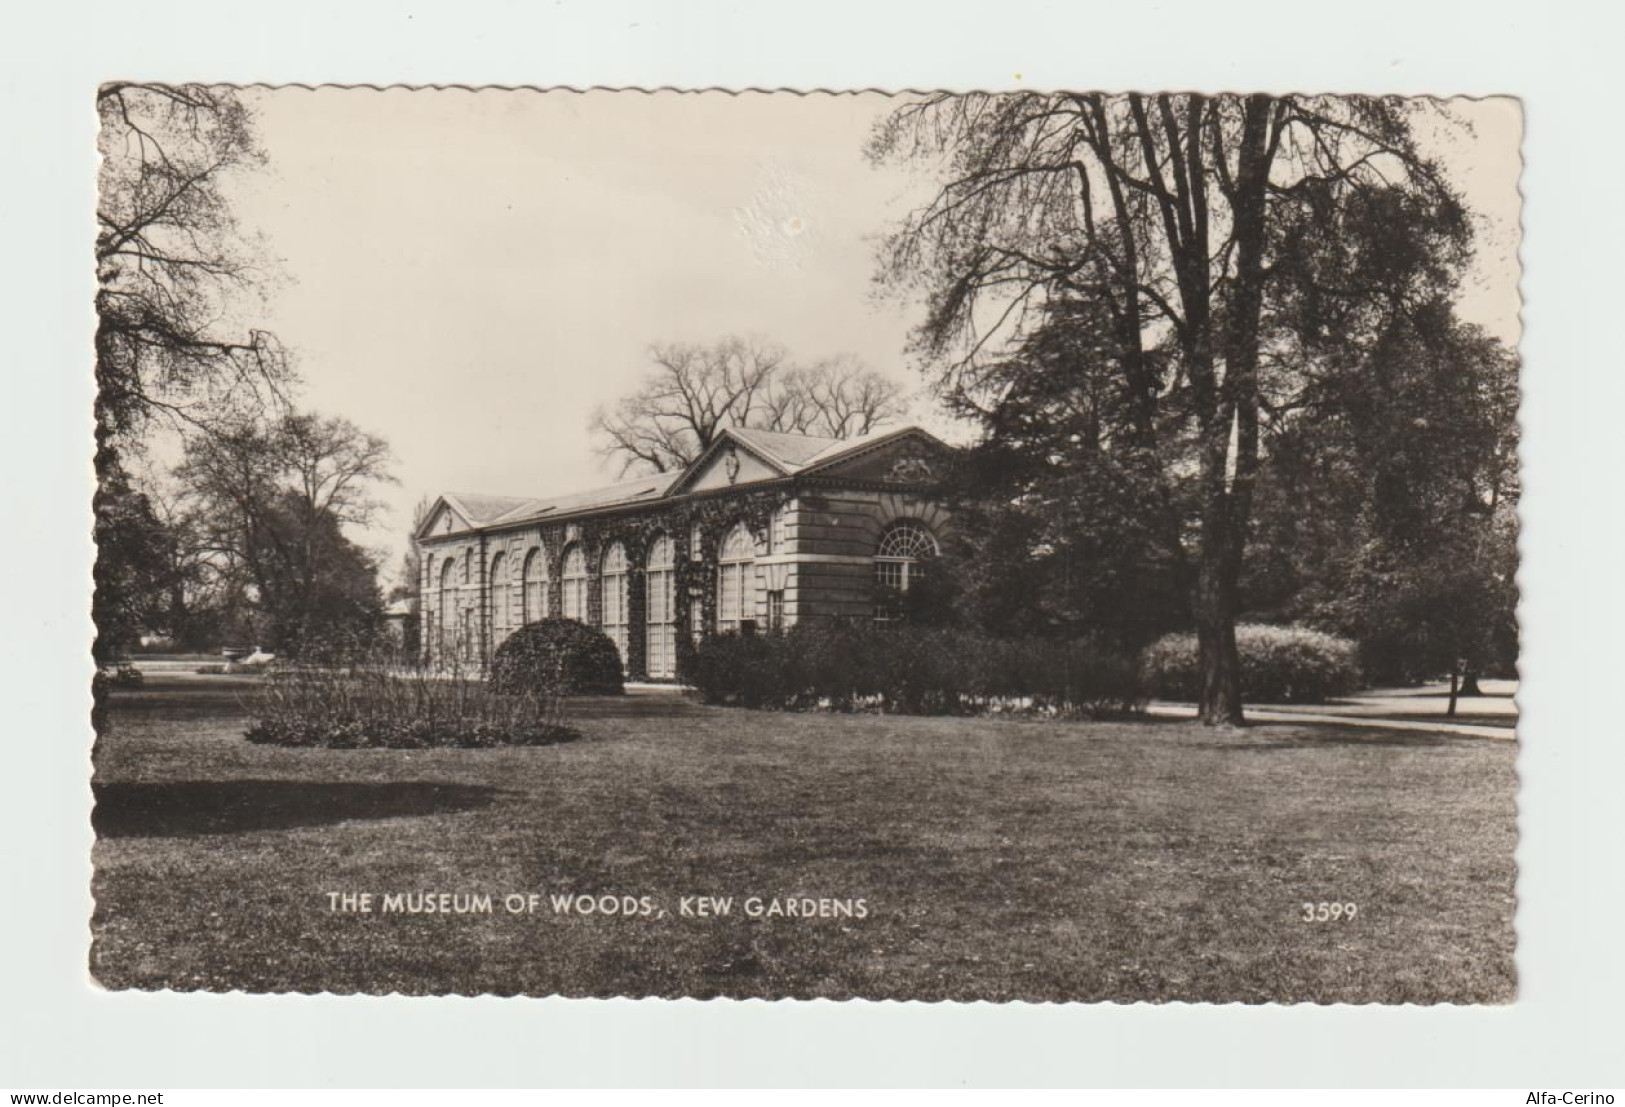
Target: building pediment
[(909, 458), (904, 456), (730, 464), (442, 519)]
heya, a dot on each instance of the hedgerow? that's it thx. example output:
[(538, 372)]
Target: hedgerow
[(906, 669)]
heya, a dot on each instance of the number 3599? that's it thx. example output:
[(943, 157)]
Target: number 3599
[(1327, 912)]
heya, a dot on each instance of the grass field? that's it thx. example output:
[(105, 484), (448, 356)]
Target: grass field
[(998, 860)]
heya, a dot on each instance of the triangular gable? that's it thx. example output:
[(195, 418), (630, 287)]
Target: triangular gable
[(729, 460), (443, 518), (907, 456)]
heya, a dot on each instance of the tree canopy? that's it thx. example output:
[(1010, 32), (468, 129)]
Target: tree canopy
[(172, 271), (269, 504), (1178, 269)]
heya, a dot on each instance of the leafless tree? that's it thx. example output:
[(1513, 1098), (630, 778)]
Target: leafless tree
[(409, 578), (171, 265), (693, 392), (837, 398)]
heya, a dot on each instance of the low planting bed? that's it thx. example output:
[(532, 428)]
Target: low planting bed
[(371, 706)]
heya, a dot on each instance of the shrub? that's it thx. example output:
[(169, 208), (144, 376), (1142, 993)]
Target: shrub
[(366, 704), (121, 675), (746, 670), (1278, 665), (557, 657), (907, 669)]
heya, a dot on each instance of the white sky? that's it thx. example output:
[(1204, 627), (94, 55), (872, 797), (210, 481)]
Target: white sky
[(470, 274)]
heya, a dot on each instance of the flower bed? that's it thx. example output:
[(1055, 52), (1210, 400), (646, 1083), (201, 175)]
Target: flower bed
[(370, 706)]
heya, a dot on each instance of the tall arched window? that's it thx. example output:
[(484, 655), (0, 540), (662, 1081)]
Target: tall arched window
[(900, 560), (574, 585), (501, 613), (660, 584), (533, 588), (736, 579), (448, 611), (612, 575)]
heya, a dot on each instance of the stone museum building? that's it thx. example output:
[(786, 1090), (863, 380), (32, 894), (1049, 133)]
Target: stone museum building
[(763, 530)]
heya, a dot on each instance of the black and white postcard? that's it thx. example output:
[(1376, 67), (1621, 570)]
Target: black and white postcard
[(1011, 546)]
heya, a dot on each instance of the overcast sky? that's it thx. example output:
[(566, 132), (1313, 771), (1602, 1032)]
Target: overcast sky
[(470, 275)]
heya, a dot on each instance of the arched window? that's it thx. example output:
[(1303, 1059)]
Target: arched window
[(574, 581), (660, 584), (501, 614), (448, 611), (533, 588), (900, 560), (736, 580), (612, 576)]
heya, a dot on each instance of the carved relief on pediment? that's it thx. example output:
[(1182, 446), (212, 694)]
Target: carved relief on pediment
[(912, 467)]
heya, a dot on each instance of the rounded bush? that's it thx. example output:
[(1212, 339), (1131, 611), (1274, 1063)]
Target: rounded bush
[(557, 657), (1278, 665)]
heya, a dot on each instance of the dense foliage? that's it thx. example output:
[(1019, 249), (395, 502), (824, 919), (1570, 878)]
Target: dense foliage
[(364, 703), (267, 503), (1278, 665), (1387, 510), (1133, 294), (914, 670), (559, 656)]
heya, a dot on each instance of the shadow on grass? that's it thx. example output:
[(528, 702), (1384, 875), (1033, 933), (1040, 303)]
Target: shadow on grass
[(1258, 738), (1505, 722), (642, 705), (194, 807), (1444, 694)]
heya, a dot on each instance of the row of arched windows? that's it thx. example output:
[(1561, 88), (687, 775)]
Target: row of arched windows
[(900, 559)]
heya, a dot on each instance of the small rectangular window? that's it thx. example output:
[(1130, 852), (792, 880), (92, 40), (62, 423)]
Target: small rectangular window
[(775, 610)]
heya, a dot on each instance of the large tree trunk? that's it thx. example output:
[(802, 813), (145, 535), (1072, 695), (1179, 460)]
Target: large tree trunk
[(1216, 603), (1469, 681), (1230, 464)]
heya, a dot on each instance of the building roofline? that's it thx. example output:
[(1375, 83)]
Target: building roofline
[(539, 511)]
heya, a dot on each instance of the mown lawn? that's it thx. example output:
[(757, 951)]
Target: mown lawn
[(999, 860)]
